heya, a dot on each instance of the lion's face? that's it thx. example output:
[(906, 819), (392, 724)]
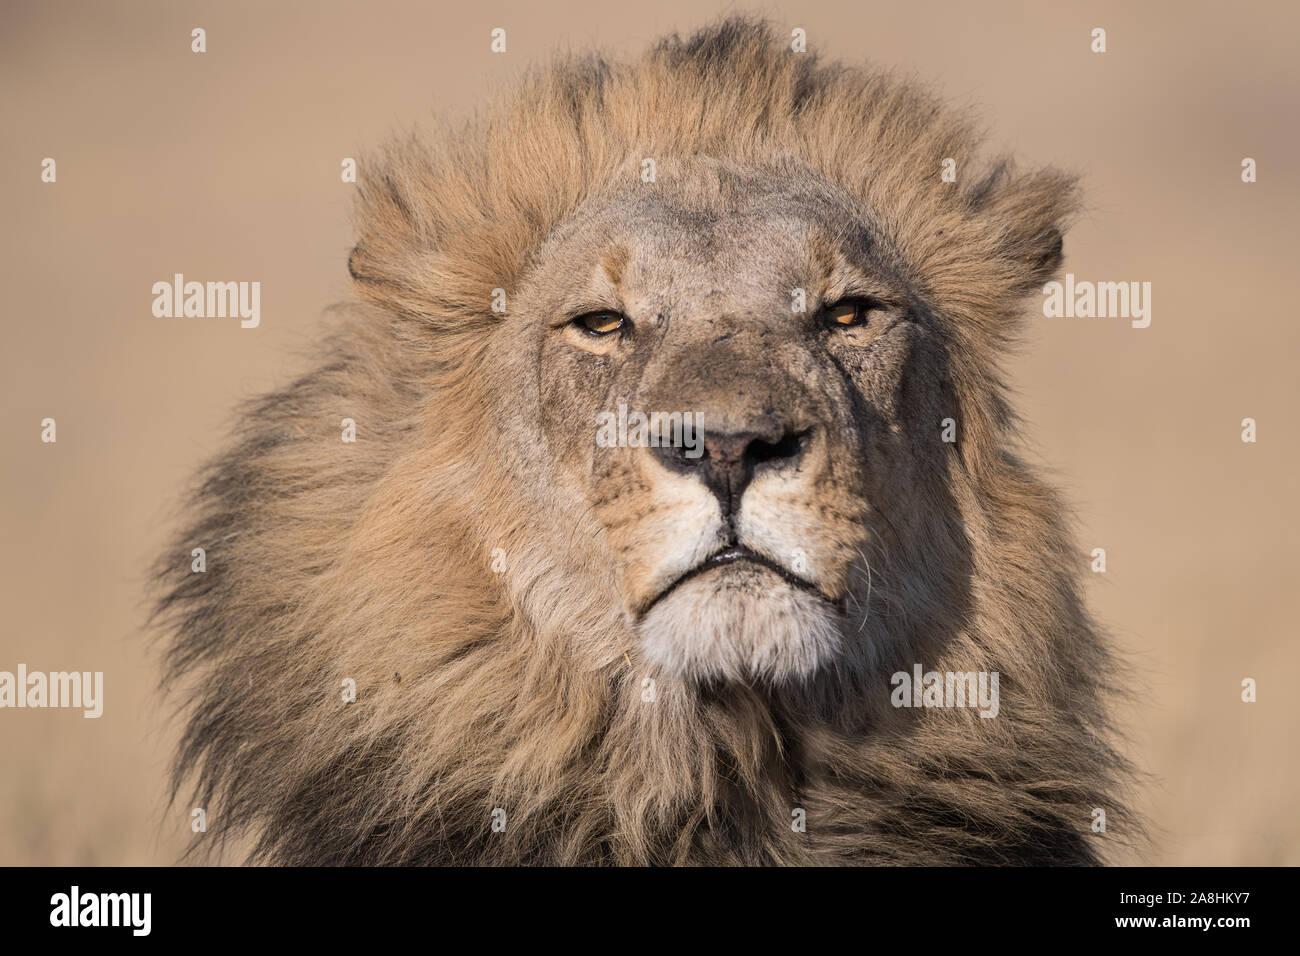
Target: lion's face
[(799, 390)]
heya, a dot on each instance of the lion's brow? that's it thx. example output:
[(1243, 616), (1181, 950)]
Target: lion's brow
[(614, 262)]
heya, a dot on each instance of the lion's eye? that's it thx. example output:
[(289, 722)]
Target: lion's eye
[(849, 312), (600, 323)]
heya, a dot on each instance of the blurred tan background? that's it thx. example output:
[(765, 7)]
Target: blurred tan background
[(225, 166)]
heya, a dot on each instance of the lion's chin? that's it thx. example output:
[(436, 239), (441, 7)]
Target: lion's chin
[(741, 624)]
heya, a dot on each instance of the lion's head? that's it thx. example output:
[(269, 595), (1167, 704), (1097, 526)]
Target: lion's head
[(680, 428), (783, 383)]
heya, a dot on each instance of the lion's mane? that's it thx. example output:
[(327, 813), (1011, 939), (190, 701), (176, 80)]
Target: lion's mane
[(372, 561)]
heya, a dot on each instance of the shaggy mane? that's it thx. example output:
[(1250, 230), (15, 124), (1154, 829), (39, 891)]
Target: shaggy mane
[(477, 690)]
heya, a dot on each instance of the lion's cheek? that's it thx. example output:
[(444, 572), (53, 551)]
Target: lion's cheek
[(658, 529)]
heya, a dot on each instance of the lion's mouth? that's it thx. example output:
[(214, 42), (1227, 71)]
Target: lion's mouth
[(735, 555)]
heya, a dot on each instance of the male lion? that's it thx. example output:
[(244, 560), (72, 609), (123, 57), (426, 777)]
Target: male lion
[(572, 651)]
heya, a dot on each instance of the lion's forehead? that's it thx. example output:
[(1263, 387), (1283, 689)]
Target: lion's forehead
[(693, 210), (687, 243)]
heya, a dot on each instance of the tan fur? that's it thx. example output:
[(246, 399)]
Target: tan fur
[(481, 690)]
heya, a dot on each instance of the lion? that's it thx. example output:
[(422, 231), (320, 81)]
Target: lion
[(475, 634)]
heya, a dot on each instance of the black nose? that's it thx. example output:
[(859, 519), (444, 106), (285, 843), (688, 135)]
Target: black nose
[(730, 460)]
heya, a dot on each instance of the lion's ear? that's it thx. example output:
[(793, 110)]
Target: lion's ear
[(392, 216), (381, 278), (359, 269), (1041, 256), (1027, 216), (444, 227)]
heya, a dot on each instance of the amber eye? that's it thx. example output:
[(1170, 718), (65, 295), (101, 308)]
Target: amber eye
[(847, 313), (600, 323)]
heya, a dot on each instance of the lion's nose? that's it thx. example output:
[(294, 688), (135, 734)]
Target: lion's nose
[(730, 459)]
